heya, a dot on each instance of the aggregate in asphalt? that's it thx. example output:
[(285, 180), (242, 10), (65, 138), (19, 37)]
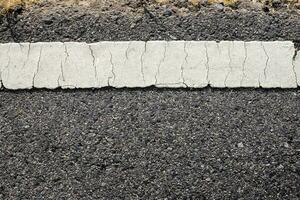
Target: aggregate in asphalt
[(70, 24), (150, 144)]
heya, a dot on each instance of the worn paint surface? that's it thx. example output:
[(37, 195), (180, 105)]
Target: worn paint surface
[(173, 64)]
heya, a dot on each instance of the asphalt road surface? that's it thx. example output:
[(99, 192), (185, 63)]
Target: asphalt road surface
[(150, 144), (73, 24)]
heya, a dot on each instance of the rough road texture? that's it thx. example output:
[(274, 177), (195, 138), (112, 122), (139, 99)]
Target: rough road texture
[(153, 143), (193, 64), (69, 24), (150, 144)]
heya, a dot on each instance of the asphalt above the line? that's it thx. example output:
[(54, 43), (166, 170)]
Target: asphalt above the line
[(150, 144), (73, 24)]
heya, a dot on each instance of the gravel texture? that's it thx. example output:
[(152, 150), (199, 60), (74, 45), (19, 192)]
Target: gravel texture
[(71, 24), (150, 144)]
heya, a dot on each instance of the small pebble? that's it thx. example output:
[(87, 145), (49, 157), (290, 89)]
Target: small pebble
[(280, 166), (218, 7), (167, 13), (286, 145), (208, 179), (240, 145)]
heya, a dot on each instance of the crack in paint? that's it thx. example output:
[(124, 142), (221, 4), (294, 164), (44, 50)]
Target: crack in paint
[(127, 49), (26, 62), (244, 62), (38, 67), (182, 65), (6, 67), (28, 52), (112, 69), (160, 63), (62, 65), (230, 63), (94, 65), (62, 72), (207, 63), (267, 62), (126, 53), (8, 63), (142, 62), (294, 66)]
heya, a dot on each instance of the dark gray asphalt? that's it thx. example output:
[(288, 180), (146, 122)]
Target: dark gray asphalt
[(69, 24), (150, 144)]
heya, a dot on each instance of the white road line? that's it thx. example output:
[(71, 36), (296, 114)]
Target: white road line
[(174, 64)]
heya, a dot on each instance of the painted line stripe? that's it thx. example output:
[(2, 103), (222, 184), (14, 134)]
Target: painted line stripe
[(194, 64)]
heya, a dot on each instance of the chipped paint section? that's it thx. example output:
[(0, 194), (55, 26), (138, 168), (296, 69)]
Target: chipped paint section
[(219, 62), (296, 66), (49, 73), (254, 65), (4, 58), (22, 66), (152, 58), (78, 66), (102, 62), (237, 63), (170, 69), (118, 57), (128, 66), (279, 71), (173, 64), (194, 69)]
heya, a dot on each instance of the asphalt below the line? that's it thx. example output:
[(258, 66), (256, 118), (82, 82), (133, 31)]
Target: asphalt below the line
[(150, 144)]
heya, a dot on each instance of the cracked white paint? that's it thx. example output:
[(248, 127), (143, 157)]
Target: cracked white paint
[(102, 63), (170, 68), (49, 72), (127, 64), (219, 62), (296, 66), (279, 65), (254, 65), (193, 64), (194, 68), (237, 61), (22, 66), (4, 58), (152, 59), (78, 66)]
